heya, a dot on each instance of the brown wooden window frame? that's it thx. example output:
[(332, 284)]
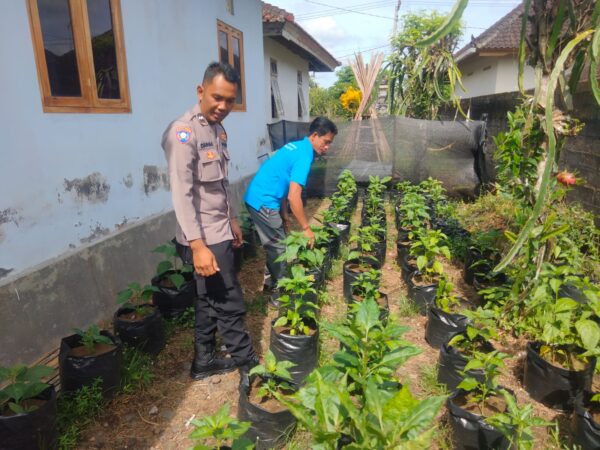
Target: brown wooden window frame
[(88, 102), (234, 33)]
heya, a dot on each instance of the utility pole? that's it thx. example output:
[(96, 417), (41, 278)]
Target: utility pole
[(395, 28)]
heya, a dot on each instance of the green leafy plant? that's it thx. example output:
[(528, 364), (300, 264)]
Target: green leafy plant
[(346, 184), (365, 238), (517, 423), (21, 383), (137, 297), (91, 337), (171, 267), (296, 309), (371, 350), (274, 375), (444, 297), (366, 284), (413, 212), (218, 430), (434, 189), (428, 248), (489, 363), (297, 250), (381, 418)]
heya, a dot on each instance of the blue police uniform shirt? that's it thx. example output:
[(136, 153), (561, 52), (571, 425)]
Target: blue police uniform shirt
[(272, 181)]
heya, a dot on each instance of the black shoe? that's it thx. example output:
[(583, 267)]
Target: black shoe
[(245, 369), (208, 365)]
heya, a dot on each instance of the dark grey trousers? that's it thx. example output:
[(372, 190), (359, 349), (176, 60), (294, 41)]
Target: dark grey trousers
[(269, 227), (220, 305)]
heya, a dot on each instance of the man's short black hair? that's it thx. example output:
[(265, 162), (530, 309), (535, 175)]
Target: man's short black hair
[(218, 68), (322, 125)]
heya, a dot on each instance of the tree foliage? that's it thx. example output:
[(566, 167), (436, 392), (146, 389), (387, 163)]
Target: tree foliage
[(421, 79), (326, 101)]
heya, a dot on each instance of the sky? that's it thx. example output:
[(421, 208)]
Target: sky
[(344, 27)]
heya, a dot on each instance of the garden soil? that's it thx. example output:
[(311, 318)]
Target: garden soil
[(159, 418)]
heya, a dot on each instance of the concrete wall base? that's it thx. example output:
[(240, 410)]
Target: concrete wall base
[(80, 288)]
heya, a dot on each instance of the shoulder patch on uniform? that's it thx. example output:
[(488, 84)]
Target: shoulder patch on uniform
[(183, 134), (206, 144)]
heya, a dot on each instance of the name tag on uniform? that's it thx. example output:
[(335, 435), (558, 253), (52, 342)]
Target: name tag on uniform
[(204, 145)]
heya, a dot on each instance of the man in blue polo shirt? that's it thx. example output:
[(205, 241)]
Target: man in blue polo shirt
[(280, 180)]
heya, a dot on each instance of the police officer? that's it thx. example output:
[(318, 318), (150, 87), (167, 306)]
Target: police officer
[(278, 181), (207, 230)]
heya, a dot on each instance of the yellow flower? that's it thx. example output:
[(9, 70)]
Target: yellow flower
[(351, 99)]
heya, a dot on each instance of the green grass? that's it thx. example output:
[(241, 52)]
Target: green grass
[(258, 305), (137, 370), (406, 307), (75, 410), (184, 320), (428, 382)]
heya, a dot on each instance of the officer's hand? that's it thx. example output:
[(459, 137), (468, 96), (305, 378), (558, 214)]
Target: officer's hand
[(205, 262), (238, 239), (310, 235)]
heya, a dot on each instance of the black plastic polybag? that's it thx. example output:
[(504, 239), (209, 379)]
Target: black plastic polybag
[(267, 430), (554, 386), (585, 430), (32, 430), (408, 265), (146, 334), (172, 301), (79, 371), (422, 296), (469, 431), (301, 350), (441, 326), (351, 275), (451, 363)]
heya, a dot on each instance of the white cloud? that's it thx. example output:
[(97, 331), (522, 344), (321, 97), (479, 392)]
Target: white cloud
[(325, 30)]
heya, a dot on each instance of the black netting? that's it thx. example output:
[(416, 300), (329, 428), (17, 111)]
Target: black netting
[(406, 149)]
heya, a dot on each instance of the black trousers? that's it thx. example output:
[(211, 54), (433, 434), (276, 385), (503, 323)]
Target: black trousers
[(220, 305)]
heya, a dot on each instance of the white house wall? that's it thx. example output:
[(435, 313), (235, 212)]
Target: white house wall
[(491, 75), (67, 180), (288, 65)]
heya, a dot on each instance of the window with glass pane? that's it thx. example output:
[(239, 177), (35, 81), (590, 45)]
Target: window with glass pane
[(59, 48), (103, 48), (79, 54), (231, 51), (223, 47)]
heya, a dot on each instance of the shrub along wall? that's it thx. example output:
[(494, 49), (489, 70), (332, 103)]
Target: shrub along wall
[(581, 154)]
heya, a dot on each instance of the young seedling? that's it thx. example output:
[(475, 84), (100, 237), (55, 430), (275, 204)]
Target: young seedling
[(21, 383), (297, 250), (296, 309), (490, 364), (136, 297), (370, 348), (517, 423), (444, 297), (429, 247), (214, 432), (171, 268), (366, 284), (92, 337), (275, 377)]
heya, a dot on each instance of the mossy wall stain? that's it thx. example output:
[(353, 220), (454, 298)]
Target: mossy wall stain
[(94, 188)]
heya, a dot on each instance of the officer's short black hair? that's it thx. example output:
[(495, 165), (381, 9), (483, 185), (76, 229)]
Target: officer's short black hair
[(322, 125), (218, 68)]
